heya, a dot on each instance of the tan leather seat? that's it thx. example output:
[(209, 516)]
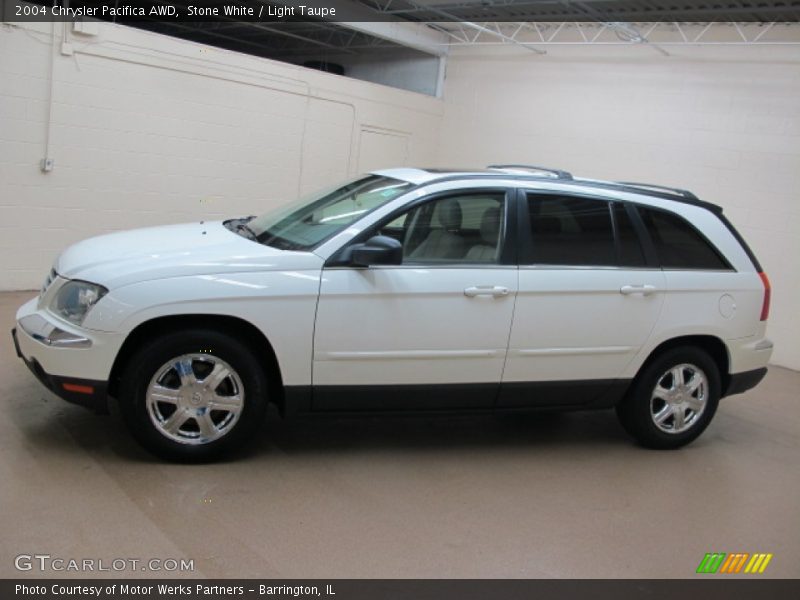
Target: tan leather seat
[(444, 243), (487, 251)]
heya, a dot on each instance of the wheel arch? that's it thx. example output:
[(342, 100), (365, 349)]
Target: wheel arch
[(711, 344), (239, 328)]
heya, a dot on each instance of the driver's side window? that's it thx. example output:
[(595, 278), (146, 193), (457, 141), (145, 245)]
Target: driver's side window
[(464, 228)]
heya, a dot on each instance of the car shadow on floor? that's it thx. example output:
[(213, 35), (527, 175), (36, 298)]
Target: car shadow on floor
[(438, 433), (61, 428)]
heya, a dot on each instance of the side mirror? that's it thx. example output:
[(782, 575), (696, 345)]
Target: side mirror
[(378, 250)]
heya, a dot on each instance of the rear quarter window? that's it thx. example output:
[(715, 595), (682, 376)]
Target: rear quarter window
[(678, 243)]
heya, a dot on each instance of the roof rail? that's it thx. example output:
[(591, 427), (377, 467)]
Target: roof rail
[(559, 174), (662, 188)]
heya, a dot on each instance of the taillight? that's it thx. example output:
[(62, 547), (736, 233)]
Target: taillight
[(767, 296)]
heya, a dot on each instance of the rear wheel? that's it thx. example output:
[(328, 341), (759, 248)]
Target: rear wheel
[(673, 399), (193, 395)]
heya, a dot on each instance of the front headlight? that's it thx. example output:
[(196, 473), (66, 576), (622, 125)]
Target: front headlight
[(75, 298)]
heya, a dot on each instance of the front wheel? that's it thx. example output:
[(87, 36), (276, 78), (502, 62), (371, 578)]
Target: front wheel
[(192, 395), (673, 400)]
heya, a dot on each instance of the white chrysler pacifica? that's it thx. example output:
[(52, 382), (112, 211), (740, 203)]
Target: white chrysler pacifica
[(503, 289)]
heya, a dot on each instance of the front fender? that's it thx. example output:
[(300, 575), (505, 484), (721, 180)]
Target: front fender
[(281, 304)]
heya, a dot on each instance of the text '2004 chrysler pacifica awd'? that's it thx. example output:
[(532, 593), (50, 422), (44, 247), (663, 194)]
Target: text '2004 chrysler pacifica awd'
[(501, 289)]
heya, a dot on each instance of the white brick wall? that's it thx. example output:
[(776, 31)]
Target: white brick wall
[(723, 122), (148, 129)]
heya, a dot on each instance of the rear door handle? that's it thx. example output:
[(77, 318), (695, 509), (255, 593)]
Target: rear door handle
[(644, 290), (486, 290)]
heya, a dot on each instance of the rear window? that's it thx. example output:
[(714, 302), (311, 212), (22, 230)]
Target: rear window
[(678, 244)]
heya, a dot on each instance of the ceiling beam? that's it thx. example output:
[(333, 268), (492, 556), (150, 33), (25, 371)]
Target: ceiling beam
[(412, 35), (362, 18), (566, 10), (482, 29)]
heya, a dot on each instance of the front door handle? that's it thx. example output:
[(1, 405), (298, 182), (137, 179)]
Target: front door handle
[(486, 290), (644, 290)]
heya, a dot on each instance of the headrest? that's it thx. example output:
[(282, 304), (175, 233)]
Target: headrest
[(450, 214), (490, 225)]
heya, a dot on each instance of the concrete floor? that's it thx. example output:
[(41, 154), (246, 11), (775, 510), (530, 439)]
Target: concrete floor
[(531, 496)]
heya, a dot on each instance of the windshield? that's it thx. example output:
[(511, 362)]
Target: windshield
[(307, 222)]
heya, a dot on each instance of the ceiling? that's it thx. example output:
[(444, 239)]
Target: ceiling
[(292, 40), (533, 24), (588, 10), (280, 41)]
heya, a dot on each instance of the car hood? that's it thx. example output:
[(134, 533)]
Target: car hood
[(189, 249)]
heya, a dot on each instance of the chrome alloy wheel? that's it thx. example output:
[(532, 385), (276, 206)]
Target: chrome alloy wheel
[(679, 398), (195, 398)]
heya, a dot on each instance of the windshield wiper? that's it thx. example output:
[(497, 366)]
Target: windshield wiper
[(244, 227), (241, 227)]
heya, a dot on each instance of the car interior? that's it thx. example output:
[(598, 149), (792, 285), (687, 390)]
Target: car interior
[(454, 229)]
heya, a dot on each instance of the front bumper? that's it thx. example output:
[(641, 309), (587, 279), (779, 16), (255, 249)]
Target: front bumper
[(73, 362), (88, 393)]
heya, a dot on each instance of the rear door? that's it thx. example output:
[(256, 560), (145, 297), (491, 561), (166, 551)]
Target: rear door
[(588, 300)]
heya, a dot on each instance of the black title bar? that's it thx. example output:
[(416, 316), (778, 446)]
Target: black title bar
[(710, 588), (126, 11), (276, 11)]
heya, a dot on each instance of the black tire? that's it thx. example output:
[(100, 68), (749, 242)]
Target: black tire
[(149, 360), (636, 413)]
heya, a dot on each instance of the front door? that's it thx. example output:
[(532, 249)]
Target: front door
[(430, 333)]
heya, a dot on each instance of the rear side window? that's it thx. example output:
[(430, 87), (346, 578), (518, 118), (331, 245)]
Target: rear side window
[(571, 231), (678, 244)]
